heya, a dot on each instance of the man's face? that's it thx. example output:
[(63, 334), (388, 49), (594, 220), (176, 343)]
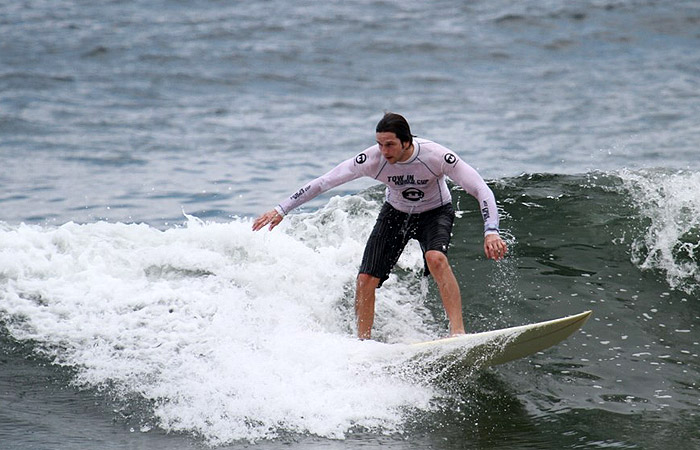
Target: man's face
[(391, 147)]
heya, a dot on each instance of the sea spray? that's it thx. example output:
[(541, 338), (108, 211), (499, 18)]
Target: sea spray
[(669, 203)]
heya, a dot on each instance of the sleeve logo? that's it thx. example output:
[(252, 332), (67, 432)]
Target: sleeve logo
[(361, 158), (450, 158)]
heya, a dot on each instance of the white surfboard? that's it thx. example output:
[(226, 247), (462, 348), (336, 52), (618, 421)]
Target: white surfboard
[(499, 346)]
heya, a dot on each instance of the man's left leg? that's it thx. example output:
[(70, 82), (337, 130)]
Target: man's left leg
[(449, 289)]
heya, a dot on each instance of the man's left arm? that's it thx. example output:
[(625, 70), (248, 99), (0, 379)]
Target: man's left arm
[(470, 180)]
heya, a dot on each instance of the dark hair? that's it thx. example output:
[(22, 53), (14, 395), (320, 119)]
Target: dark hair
[(397, 124)]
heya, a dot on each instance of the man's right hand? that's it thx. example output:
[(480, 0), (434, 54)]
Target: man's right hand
[(271, 217)]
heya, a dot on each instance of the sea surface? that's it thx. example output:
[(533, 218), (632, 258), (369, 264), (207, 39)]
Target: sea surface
[(139, 139)]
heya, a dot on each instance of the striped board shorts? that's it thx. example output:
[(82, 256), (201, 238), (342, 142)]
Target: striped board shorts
[(392, 231)]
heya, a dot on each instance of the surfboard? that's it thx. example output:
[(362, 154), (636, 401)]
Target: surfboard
[(494, 347)]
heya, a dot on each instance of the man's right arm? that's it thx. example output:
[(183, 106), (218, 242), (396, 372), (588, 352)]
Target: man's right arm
[(346, 171), (342, 173)]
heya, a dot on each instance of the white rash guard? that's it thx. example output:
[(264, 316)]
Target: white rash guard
[(414, 186)]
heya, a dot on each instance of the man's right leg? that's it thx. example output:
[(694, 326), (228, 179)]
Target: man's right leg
[(364, 304), (384, 246)]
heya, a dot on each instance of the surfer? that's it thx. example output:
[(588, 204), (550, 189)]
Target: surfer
[(418, 206)]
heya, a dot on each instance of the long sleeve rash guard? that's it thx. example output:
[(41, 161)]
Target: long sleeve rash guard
[(414, 186)]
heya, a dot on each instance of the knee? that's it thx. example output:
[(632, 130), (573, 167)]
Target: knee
[(436, 260), (366, 281)]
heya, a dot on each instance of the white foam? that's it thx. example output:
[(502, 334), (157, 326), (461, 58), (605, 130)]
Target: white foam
[(671, 203), (228, 333)]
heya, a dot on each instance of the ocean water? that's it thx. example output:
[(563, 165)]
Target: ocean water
[(139, 139)]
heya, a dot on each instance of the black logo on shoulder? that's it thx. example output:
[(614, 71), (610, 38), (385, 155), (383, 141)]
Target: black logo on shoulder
[(450, 158), (361, 158), (413, 194)]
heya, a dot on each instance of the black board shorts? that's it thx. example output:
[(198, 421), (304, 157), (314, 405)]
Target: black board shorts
[(392, 231)]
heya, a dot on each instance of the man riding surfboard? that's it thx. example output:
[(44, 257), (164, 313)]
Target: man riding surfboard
[(418, 206)]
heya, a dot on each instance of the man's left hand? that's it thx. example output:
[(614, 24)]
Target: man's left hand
[(494, 247)]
